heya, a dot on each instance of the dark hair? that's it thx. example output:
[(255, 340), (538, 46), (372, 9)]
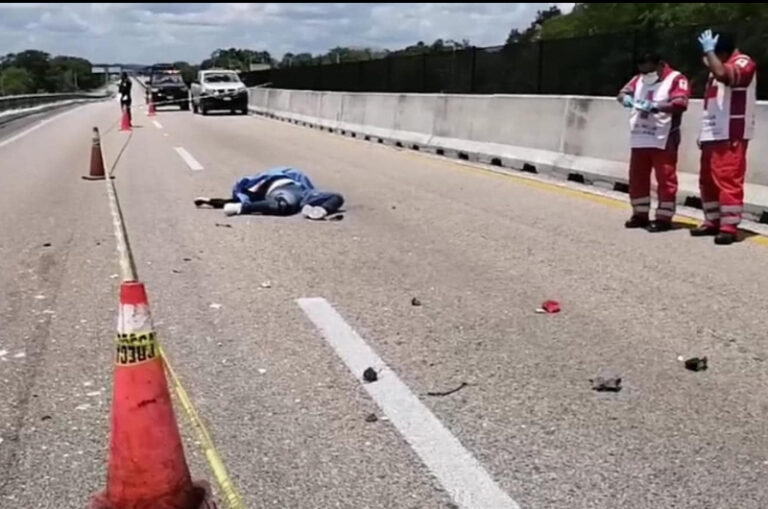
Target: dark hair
[(726, 43), (649, 57)]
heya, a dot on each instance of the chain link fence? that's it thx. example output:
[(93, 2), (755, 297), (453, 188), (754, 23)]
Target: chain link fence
[(595, 65)]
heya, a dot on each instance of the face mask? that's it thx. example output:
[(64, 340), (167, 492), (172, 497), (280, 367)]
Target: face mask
[(650, 78)]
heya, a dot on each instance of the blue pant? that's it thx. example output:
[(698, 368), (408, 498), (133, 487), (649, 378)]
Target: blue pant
[(278, 206), (331, 202)]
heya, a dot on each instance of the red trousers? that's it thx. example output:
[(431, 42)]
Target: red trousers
[(721, 181), (664, 163)]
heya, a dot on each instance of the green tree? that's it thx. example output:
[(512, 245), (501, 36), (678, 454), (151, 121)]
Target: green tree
[(15, 81), (595, 18), (291, 60), (37, 64), (236, 59)]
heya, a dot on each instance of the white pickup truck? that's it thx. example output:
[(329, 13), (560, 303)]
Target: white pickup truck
[(219, 89)]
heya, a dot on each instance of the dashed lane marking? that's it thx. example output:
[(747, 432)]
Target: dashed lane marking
[(187, 157), (458, 471)]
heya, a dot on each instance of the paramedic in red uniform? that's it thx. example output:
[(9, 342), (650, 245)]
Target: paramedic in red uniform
[(727, 125), (658, 97)]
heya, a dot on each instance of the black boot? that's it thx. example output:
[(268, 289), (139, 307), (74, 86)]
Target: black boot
[(659, 225), (705, 230), (637, 222), (725, 238)]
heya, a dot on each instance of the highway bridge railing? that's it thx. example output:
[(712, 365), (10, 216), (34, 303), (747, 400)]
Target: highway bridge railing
[(16, 106)]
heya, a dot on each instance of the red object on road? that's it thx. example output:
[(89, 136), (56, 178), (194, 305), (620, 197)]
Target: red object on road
[(147, 467), (551, 306)]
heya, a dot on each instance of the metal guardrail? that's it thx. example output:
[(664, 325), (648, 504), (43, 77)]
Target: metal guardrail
[(21, 102)]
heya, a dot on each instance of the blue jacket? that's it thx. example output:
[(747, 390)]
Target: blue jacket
[(243, 190)]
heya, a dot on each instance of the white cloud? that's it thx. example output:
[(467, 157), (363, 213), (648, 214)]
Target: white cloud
[(145, 33)]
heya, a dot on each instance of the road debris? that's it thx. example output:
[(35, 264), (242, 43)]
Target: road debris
[(266, 284), (549, 307), (601, 384), (696, 364), (186, 259), (46, 418), (47, 244), (40, 297), (371, 418), (370, 375), (85, 406), (20, 355), (175, 271), (113, 276), (223, 225), (449, 392), (262, 371), (216, 305), (415, 302)]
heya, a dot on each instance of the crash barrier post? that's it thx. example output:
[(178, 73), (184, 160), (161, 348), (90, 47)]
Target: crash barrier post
[(97, 159), (147, 467)]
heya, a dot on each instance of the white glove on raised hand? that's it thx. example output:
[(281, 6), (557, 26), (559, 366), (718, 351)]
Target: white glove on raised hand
[(708, 41)]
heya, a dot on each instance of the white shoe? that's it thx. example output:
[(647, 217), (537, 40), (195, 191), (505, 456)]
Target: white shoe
[(315, 213), (233, 209)]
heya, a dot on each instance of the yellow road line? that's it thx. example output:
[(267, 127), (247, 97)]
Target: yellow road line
[(227, 487)]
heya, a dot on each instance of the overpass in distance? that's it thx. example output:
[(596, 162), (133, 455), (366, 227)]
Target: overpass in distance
[(261, 317)]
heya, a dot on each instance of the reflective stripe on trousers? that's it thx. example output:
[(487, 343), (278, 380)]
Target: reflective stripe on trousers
[(641, 206)]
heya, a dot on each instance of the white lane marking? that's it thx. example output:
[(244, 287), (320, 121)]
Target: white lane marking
[(466, 481), (157, 124), (36, 127), (191, 161)]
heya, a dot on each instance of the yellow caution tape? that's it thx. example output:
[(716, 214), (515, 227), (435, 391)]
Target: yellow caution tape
[(136, 348), (226, 486)]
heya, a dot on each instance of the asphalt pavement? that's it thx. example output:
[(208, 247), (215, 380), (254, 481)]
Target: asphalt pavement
[(480, 252)]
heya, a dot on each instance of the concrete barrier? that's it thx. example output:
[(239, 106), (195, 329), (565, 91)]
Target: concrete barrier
[(581, 138)]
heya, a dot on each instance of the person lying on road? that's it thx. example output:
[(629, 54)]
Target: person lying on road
[(280, 191)]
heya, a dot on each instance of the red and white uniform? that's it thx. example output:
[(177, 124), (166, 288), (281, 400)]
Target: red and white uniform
[(654, 138), (727, 125)]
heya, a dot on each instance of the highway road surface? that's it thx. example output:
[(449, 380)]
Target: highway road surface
[(267, 321)]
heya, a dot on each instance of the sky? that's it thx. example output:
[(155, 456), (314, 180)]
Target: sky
[(148, 33)]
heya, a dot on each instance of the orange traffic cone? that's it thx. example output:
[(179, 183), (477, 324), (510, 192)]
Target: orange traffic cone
[(97, 160), (125, 124), (147, 467)]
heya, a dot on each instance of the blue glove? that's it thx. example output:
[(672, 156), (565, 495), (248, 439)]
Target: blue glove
[(708, 41), (645, 105), (627, 102)]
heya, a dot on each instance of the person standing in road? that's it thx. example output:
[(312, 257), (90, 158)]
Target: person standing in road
[(658, 96), (124, 89), (727, 125)]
